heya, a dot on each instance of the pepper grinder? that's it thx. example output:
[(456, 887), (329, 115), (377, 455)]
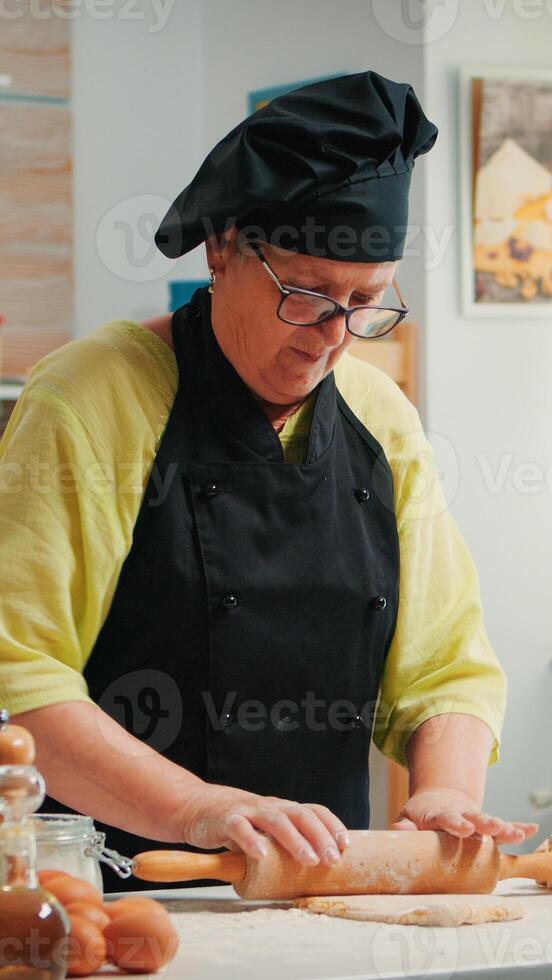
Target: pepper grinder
[(33, 925)]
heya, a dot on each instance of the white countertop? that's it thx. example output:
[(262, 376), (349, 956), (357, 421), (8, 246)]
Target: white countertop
[(224, 938)]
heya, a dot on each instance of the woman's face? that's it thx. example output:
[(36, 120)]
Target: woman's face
[(281, 363)]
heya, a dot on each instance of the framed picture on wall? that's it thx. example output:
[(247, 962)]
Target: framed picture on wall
[(506, 191), (261, 97)]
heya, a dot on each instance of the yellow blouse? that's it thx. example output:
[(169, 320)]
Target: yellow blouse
[(74, 463)]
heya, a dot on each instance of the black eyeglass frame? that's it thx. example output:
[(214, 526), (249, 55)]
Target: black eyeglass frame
[(286, 291)]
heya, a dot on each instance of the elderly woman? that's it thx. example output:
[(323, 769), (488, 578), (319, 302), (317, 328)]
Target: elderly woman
[(228, 539)]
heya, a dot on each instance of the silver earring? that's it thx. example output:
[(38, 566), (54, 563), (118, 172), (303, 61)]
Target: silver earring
[(212, 278)]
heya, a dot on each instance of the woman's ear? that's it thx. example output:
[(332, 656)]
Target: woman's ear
[(220, 248)]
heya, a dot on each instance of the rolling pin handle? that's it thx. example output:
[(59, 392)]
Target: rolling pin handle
[(170, 866), (537, 866)]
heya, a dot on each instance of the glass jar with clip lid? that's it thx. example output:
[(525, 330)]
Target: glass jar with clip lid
[(71, 843)]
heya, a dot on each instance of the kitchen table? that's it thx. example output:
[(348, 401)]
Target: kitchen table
[(225, 938)]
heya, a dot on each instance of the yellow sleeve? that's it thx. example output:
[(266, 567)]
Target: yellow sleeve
[(74, 462), (53, 569), (440, 660)]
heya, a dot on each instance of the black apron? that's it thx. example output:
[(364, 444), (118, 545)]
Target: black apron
[(248, 631)]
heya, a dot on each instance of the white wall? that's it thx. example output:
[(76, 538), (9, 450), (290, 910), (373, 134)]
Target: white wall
[(138, 137), (489, 392)]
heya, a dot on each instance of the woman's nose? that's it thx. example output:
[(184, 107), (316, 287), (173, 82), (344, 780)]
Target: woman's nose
[(333, 330)]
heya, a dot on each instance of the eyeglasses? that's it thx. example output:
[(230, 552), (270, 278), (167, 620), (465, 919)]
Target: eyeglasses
[(305, 308)]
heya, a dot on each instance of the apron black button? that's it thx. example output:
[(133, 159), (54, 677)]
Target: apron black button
[(379, 603), (362, 494), (227, 720), (230, 601), (210, 490), (285, 722)]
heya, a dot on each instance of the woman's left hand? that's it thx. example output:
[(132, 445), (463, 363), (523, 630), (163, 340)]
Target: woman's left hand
[(456, 813)]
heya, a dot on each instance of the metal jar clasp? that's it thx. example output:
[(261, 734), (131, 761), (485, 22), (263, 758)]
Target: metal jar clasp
[(121, 865)]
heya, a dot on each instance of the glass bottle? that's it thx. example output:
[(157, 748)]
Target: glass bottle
[(33, 925)]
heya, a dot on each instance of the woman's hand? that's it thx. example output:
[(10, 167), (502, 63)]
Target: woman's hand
[(458, 814), (221, 816)]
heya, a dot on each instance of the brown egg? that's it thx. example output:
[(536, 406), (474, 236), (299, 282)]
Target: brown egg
[(124, 905), (49, 875), (67, 889), (17, 747), (93, 913), (86, 948), (140, 942)]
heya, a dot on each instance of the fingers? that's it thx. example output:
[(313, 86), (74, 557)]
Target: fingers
[(404, 824), (483, 823), (503, 831), (316, 832), (299, 831), (241, 833), (333, 824), (309, 832), (451, 821), (509, 834), (530, 829), (464, 823)]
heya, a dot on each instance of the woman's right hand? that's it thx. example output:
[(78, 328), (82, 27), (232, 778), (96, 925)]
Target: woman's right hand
[(221, 816)]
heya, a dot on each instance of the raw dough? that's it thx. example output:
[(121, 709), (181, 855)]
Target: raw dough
[(416, 910)]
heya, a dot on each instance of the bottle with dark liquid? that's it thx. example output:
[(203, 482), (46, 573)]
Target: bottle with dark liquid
[(33, 925)]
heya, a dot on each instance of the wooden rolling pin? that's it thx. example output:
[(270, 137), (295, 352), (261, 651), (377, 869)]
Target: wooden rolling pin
[(378, 862)]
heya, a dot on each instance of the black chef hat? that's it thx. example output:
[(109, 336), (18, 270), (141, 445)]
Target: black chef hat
[(324, 170)]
